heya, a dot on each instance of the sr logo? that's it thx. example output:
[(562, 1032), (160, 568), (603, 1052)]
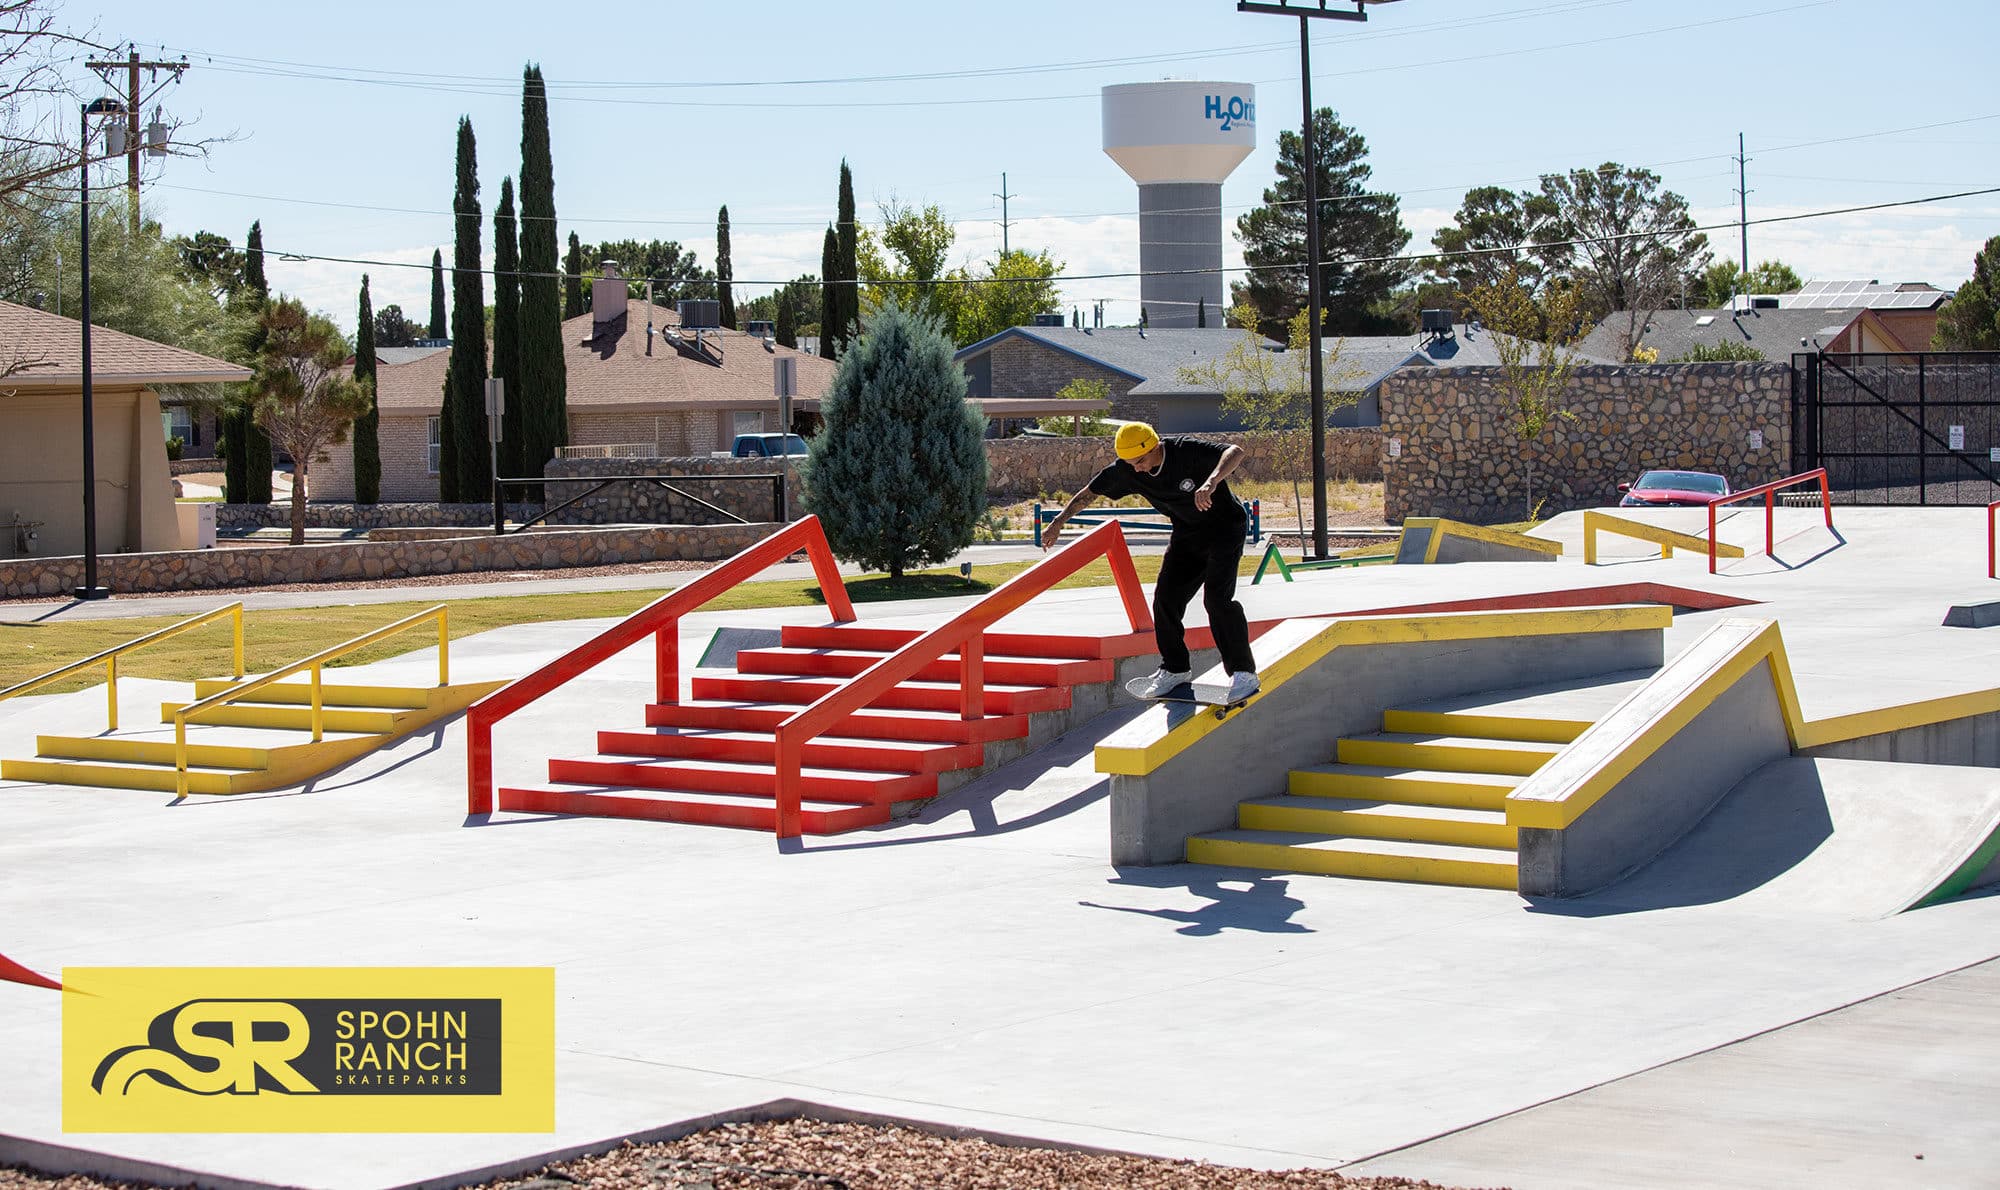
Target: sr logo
[(210, 1047)]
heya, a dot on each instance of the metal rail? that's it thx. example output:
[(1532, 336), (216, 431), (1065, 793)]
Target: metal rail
[(1595, 522), (965, 634), (600, 482), (109, 659), (1769, 492), (660, 620), (1992, 560), (315, 663), (1252, 509)]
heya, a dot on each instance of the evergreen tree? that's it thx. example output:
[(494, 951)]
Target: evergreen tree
[(367, 440), (722, 268), (507, 327), (1970, 321), (462, 461), (1201, 313), (573, 279), (1353, 225), (898, 475), (438, 324), (829, 297), (848, 291), (787, 331), (253, 459), (544, 403)]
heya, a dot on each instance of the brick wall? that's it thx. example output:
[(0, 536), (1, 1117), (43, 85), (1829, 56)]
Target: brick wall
[(406, 477), (1460, 459)]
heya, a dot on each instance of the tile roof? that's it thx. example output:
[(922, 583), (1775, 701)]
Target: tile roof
[(1155, 356), (613, 371), (398, 356), (1673, 333), (50, 348)]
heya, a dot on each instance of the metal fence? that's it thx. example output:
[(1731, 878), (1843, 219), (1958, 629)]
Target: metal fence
[(1916, 428)]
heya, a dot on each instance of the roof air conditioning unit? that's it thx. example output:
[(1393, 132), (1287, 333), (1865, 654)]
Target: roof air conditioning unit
[(1048, 320), (699, 314)]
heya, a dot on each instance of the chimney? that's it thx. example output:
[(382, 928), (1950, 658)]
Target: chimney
[(607, 296)]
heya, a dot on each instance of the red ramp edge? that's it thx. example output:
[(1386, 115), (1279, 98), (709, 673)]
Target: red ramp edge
[(14, 972)]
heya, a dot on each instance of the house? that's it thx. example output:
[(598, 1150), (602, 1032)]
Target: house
[(41, 436), (1776, 333), (636, 381), (1141, 370)]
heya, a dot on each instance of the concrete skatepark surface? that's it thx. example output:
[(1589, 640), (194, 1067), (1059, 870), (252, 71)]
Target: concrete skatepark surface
[(984, 966)]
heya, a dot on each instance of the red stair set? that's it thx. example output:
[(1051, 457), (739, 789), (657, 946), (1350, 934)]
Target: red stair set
[(824, 733)]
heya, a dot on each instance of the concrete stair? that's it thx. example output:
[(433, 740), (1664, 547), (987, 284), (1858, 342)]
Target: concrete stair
[(263, 742), (711, 759), (1424, 799)]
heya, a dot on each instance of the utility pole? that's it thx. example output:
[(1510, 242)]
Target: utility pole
[(1314, 281), (1003, 196), (1743, 205), (134, 102)]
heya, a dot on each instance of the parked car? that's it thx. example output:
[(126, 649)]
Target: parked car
[(1672, 489), (764, 446)]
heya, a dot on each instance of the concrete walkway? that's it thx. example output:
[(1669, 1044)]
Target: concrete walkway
[(983, 965)]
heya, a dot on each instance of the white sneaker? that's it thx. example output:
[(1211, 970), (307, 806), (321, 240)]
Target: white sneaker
[(1162, 681), (1243, 685)]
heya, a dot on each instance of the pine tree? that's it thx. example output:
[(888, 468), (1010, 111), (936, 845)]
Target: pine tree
[(507, 327), (722, 268), (438, 327), (1201, 313), (898, 475), (848, 292), (573, 279), (367, 440), (256, 452), (544, 406), (462, 458), (829, 295), (1355, 224)]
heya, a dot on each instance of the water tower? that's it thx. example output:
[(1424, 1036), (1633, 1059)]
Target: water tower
[(1179, 140)]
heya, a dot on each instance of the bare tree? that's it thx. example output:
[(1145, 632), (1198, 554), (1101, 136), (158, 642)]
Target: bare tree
[(303, 397), (1629, 247)]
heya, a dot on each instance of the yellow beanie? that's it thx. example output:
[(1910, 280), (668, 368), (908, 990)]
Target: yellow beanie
[(1135, 439)]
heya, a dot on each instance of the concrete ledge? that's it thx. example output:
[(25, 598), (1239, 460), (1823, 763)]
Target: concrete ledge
[(1178, 776), (1973, 615), (1645, 774), (1435, 540)]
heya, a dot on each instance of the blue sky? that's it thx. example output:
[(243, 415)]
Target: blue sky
[(344, 118)]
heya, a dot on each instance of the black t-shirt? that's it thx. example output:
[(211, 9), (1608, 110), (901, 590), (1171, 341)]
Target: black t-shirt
[(1189, 463)]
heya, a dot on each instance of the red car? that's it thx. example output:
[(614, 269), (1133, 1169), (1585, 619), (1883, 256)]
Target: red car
[(1672, 489)]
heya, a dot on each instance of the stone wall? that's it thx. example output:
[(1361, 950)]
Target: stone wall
[(194, 570), (366, 516), (1023, 468), (1460, 459), (645, 503)]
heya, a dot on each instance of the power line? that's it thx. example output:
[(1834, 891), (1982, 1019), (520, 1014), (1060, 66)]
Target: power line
[(1400, 258)]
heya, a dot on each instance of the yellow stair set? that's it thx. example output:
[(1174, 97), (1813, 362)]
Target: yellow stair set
[(244, 735), (1422, 800)]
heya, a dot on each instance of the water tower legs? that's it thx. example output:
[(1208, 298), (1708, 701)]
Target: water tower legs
[(1180, 228)]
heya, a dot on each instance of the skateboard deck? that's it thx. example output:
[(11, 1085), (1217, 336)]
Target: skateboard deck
[(1200, 694)]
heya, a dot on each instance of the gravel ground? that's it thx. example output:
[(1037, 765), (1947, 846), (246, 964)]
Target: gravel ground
[(816, 1155)]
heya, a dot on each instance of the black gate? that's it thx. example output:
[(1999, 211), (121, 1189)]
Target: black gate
[(1918, 428)]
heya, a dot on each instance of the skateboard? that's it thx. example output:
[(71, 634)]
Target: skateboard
[(1196, 694)]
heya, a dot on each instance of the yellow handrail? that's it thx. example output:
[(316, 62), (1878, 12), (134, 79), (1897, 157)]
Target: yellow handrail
[(315, 663), (109, 658), (1595, 522)]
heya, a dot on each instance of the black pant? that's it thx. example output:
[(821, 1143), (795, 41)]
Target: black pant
[(1205, 561)]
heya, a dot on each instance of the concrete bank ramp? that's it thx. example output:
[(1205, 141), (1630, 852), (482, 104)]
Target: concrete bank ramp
[(1853, 839)]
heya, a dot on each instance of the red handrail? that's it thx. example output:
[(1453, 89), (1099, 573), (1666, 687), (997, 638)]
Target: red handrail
[(659, 619), (1992, 560), (1769, 491), (964, 633)]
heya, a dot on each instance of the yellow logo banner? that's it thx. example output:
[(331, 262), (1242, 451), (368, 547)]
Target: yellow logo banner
[(308, 1049)]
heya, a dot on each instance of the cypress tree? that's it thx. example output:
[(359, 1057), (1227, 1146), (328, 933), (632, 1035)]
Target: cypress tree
[(507, 326), (898, 475), (573, 279), (438, 324), (256, 451), (722, 268), (367, 440), (1201, 313), (462, 474), (849, 292), (787, 330), (829, 295), (544, 406)]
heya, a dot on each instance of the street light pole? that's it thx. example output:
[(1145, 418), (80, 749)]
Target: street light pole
[(90, 588), (1314, 297)]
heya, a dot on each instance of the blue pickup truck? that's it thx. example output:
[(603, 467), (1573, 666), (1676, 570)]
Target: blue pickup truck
[(764, 446)]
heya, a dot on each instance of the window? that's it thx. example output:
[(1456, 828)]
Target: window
[(178, 423), (436, 438), (749, 423)]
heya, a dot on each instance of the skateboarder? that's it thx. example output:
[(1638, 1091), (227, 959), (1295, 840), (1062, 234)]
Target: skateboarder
[(1186, 480)]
